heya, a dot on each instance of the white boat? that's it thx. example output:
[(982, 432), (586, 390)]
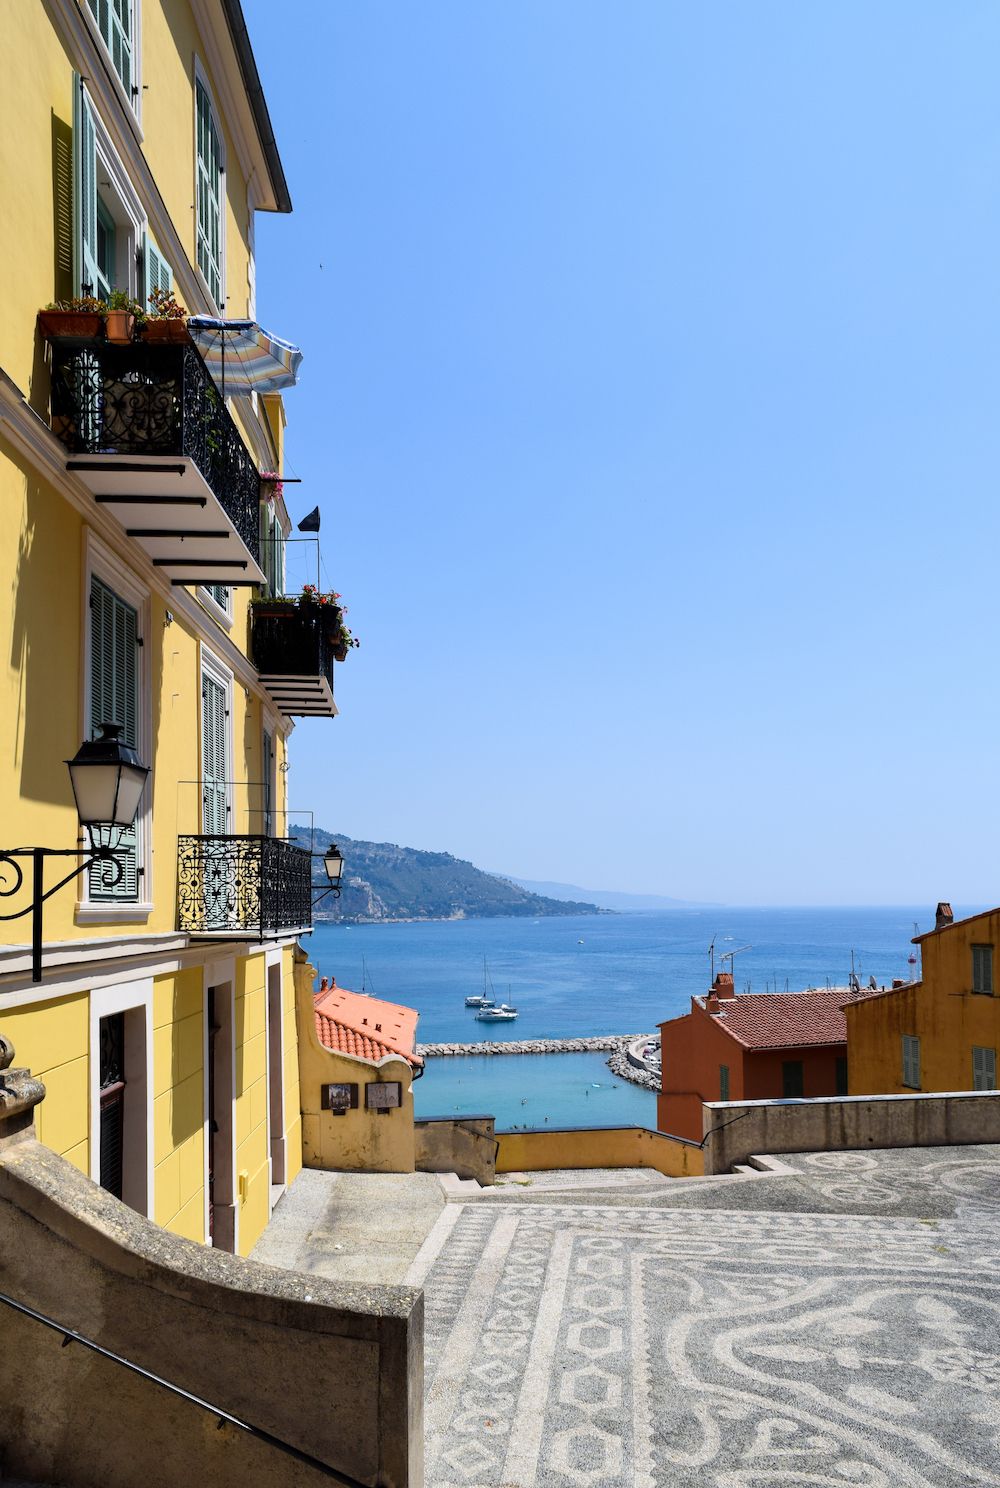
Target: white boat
[(487, 997), (478, 1000), (502, 1014)]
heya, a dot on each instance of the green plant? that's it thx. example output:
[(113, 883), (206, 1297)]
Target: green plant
[(79, 305), (120, 299), (340, 632), (165, 306)]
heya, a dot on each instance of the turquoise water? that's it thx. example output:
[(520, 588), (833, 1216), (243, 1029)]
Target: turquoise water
[(533, 1090), (591, 974)]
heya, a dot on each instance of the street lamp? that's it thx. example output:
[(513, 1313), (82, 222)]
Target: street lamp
[(107, 777), (333, 862)]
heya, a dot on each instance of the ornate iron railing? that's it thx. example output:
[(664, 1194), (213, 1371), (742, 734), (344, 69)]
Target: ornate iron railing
[(145, 399), (249, 886), (289, 641)]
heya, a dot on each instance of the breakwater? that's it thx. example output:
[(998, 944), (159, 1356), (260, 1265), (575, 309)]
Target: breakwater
[(625, 1060), (609, 1043)]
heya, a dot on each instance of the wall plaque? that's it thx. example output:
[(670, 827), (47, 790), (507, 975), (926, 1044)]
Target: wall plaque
[(384, 1095), (339, 1099)]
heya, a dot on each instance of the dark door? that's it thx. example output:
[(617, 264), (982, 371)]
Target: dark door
[(213, 1125), (112, 1088), (841, 1074), (791, 1079)]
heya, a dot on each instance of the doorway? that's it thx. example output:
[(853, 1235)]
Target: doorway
[(275, 1082), (221, 1216)]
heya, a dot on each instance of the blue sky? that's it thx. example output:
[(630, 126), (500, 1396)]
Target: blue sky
[(651, 401)]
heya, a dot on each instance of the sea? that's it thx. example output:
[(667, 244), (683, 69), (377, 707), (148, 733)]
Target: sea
[(572, 976)]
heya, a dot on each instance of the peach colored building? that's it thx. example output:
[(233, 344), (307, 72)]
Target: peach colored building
[(750, 1046)]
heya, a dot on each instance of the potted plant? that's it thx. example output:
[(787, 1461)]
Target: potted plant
[(79, 319), (313, 604), (166, 319), (121, 317)]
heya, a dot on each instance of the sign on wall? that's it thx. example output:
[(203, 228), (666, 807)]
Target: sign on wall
[(339, 1099), (384, 1095)]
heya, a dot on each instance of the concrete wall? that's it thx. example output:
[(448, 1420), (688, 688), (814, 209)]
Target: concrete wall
[(598, 1147), (360, 1140), (464, 1145), (335, 1371), (737, 1130)]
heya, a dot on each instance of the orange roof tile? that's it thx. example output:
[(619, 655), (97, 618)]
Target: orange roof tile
[(783, 1020), (351, 1023)]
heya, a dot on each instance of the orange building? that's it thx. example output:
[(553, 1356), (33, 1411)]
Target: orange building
[(941, 1033), (749, 1046)]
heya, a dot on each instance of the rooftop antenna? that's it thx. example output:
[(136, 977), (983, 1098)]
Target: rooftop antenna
[(728, 956), (711, 960)]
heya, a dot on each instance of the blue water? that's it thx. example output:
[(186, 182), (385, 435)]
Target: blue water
[(630, 972)]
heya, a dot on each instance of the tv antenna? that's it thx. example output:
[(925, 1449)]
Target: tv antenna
[(728, 956)]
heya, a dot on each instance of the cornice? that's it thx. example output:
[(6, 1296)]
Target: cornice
[(35, 440)]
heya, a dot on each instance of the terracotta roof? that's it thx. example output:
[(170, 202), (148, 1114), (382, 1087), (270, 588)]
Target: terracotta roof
[(783, 1020), (351, 1023)]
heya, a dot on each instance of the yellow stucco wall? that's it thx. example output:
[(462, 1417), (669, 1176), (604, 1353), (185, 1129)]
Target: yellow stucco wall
[(361, 1140), (941, 1010), (618, 1147)]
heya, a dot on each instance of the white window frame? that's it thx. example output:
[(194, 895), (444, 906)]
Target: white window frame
[(212, 667), (134, 103), (202, 77), (135, 1000), (224, 617), (911, 1061), (101, 563), (992, 1061), (126, 208)]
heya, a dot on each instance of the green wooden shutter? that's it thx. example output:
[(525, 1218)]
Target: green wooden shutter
[(159, 274), (209, 214), (114, 698), (114, 21), (213, 751), (267, 777), (84, 192)]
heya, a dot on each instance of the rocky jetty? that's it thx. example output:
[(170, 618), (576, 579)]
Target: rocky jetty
[(623, 1048), (607, 1043)]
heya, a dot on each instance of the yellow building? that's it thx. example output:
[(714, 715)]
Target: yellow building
[(138, 548), (940, 1033)]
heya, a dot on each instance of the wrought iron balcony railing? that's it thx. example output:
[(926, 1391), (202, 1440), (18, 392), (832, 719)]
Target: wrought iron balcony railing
[(144, 400), (293, 649), (249, 887)]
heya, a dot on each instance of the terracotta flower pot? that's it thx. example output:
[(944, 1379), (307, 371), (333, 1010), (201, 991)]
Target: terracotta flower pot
[(162, 328), (118, 326), (340, 651), (76, 325)]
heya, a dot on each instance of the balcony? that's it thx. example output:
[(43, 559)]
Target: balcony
[(150, 436), (247, 888), (294, 652)]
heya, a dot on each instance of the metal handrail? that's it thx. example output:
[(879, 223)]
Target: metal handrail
[(70, 1335)]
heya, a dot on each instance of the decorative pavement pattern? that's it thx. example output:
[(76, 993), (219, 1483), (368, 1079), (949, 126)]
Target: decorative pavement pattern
[(634, 1346)]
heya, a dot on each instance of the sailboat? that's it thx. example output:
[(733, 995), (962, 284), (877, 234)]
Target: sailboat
[(486, 998)]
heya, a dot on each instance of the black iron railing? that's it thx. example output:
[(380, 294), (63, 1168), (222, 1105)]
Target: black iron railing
[(290, 641), (224, 1417), (246, 886), (155, 400)]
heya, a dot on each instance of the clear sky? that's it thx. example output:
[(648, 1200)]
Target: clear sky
[(651, 398)]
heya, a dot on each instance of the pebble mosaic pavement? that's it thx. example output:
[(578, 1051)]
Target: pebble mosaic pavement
[(852, 1339)]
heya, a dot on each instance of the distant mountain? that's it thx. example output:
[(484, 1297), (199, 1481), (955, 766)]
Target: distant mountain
[(384, 882), (610, 898)]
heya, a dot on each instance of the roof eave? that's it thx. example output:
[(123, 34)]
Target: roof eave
[(236, 22)]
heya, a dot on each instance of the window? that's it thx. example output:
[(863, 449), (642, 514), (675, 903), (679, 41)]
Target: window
[(984, 1068), (221, 593), (724, 1082), (791, 1079), (911, 1061), (108, 216), (982, 969), (105, 251), (115, 22), (841, 1074), (209, 194), (272, 550), (214, 755), (114, 698)]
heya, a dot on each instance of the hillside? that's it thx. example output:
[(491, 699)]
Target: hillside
[(384, 882), (613, 898)]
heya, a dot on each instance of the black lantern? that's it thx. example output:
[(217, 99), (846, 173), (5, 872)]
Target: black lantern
[(107, 778), (333, 862)]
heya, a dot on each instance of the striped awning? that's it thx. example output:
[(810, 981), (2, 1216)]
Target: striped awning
[(244, 358)]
